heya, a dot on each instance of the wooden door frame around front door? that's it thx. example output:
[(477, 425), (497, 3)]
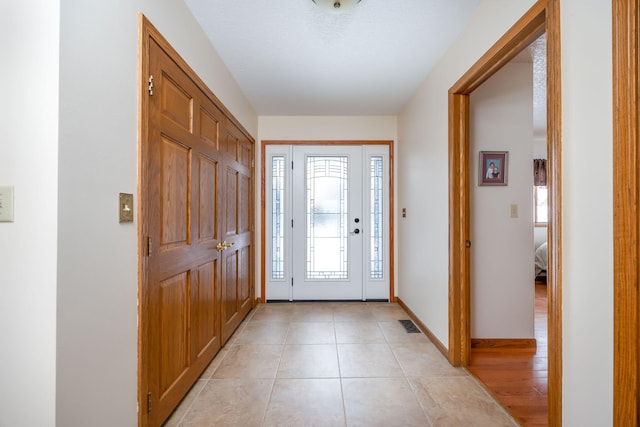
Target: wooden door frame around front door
[(543, 16), (263, 221)]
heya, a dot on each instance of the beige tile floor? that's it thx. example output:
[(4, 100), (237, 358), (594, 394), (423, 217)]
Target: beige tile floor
[(333, 364)]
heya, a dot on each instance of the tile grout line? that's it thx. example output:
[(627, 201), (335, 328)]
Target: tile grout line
[(344, 404), (275, 377), (493, 399), (207, 380), (406, 379), (179, 422)]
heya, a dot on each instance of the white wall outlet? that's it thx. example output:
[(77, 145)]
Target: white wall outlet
[(6, 204)]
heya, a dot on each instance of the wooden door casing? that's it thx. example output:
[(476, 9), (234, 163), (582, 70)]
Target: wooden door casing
[(542, 17), (626, 205), (183, 210)]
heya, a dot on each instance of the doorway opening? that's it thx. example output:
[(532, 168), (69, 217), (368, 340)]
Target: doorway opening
[(510, 357), (543, 17)]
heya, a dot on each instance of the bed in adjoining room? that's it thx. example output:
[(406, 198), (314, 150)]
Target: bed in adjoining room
[(540, 261)]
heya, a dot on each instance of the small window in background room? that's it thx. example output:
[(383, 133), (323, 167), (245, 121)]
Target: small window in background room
[(541, 208), (540, 205)]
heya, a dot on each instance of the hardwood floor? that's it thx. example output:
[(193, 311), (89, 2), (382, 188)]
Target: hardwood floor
[(518, 378)]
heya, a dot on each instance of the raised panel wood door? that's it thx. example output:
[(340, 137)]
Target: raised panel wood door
[(181, 183), (237, 230)]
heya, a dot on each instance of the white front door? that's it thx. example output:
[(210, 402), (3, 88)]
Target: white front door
[(327, 222), (327, 211)]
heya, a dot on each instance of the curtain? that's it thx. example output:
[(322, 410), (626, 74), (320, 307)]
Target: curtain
[(539, 172)]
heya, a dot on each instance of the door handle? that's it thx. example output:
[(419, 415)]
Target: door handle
[(357, 231), (221, 246)]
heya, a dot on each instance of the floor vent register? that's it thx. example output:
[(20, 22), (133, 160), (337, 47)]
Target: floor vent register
[(409, 326)]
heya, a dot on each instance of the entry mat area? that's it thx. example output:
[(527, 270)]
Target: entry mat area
[(409, 326)]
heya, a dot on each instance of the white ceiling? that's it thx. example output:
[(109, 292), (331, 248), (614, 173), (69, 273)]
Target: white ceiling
[(536, 54), (292, 58)]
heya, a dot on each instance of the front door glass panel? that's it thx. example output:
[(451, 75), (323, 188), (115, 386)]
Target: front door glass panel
[(326, 217), (278, 198), (376, 254)]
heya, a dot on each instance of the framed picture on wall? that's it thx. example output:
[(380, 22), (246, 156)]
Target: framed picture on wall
[(493, 168)]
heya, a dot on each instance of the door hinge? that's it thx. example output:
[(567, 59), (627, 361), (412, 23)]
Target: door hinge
[(291, 164), (253, 163), (149, 246), (151, 85), (292, 282), (149, 403), (253, 227), (291, 223)]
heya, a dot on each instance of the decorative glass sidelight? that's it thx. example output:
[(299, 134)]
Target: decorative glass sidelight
[(326, 217), (277, 216), (377, 225)]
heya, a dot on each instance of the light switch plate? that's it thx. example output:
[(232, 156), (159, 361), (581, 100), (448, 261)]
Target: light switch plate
[(126, 207), (6, 204), (514, 210)]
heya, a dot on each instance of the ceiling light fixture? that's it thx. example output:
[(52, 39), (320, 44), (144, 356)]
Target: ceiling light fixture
[(336, 6)]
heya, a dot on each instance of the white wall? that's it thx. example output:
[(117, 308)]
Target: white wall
[(96, 267), (539, 148), (29, 42), (502, 273), (308, 128), (97, 256), (328, 128), (586, 201), (588, 214), (422, 176), (539, 236)]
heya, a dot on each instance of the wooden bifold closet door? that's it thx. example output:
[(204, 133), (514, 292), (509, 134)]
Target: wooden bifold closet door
[(195, 233), (237, 289)]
